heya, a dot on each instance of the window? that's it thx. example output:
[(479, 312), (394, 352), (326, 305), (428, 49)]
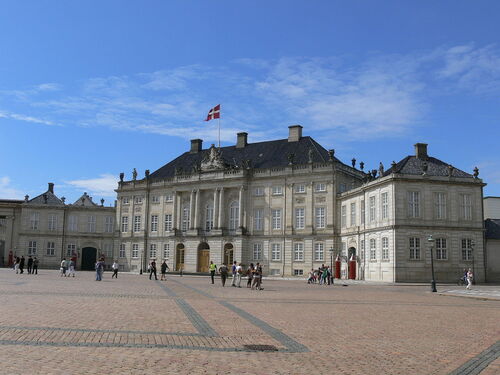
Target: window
[(52, 222), (275, 271), (124, 224), (372, 209), (108, 250), (152, 250), (154, 223), (135, 251), (276, 252), (373, 249), (155, 199), (385, 248), (71, 250), (137, 223), (300, 188), (343, 214), (72, 223), (34, 220), (277, 190), (299, 218), (441, 253), (51, 248), (353, 214), (466, 249), (234, 215), (138, 199), (362, 211), (108, 224), (209, 217), (342, 188), (166, 251), (125, 200), (168, 222), (298, 252), (320, 217), (413, 204), (440, 205), (385, 205), (276, 219), (122, 252), (258, 219), (32, 248), (466, 206), (298, 272), (257, 251), (169, 197), (91, 223), (185, 218), (258, 191), (362, 245), (320, 187), (319, 251), (3, 223), (414, 248)]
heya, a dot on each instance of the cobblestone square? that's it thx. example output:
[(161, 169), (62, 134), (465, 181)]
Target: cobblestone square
[(58, 325)]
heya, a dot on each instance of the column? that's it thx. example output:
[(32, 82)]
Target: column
[(240, 208), (221, 208), (216, 209), (191, 210), (175, 203), (178, 198), (197, 209)]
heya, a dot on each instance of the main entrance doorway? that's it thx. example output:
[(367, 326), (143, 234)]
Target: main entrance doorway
[(89, 257), (179, 258), (3, 261), (228, 254), (203, 257)]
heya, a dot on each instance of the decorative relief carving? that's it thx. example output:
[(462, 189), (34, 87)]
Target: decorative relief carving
[(320, 199), (213, 160), (299, 200), (138, 209)]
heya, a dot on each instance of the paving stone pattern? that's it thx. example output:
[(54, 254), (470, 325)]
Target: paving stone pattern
[(56, 325)]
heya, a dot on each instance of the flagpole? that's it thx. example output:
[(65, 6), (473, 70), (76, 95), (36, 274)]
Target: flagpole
[(218, 121)]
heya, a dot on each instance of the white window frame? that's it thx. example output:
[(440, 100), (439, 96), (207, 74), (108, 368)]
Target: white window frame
[(186, 220), (169, 197), (234, 215), (52, 222), (257, 251), (414, 204), (125, 200), (466, 206), (320, 187), (319, 251), (467, 249), (320, 217), (298, 252), (258, 219), (155, 199), (300, 189), (298, 272), (373, 249), (441, 249), (152, 251), (154, 223), (122, 253), (384, 202), (135, 251), (34, 220), (363, 211), (372, 209), (108, 224), (138, 199), (353, 214), (276, 219), (51, 249), (70, 249), (166, 251), (258, 191), (137, 223), (91, 223), (343, 216), (415, 252), (300, 218), (168, 222), (275, 252), (385, 248), (32, 245), (72, 223), (277, 190), (124, 224), (440, 205), (108, 250)]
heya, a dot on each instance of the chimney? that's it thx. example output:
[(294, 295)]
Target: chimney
[(196, 146), (242, 140), (51, 187), (421, 150), (294, 133)]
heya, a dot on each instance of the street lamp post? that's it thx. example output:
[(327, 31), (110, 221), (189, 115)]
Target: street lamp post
[(472, 244), (433, 281), (331, 265)]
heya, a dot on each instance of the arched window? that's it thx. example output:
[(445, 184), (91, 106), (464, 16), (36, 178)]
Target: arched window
[(209, 217), (234, 215)]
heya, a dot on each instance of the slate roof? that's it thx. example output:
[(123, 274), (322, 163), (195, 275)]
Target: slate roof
[(492, 229), (269, 154), (85, 200), (435, 167), (52, 200)]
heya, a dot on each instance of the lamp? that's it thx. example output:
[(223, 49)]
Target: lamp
[(431, 241)]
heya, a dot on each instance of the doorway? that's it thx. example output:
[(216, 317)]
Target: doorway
[(179, 258), (228, 254), (203, 257), (89, 258)]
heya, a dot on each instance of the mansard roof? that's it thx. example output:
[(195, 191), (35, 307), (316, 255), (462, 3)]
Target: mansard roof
[(48, 199), (85, 200), (269, 154), (492, 229), (414, 165)]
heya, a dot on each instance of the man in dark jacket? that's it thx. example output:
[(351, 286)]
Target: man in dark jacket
[(30, 265), (21, 264)]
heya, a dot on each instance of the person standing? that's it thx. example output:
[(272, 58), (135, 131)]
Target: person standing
[(152, 270), (71, 268), (35, 266), (470, 277), (21, 264), (30, 265), (64, 267), (239, 272), (212, 268), (115, 267), (233, 272), (223, 273), (250, 272), (99, 269), (164, 267), (257, 277), (16, 264)]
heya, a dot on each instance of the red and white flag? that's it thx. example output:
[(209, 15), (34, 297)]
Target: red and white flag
[(213, 113)]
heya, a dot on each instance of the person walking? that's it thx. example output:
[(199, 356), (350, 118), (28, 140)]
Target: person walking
[(99, 269), (233, 271), (71, 268), (223, 270), (152, 270), (64, 267), (164, 267), (21, 264), (470, 277), (30, 265), (35, 266), (115, 268), (250, 271), (212, 268), (16, 264), (239, 273), (257, 277)]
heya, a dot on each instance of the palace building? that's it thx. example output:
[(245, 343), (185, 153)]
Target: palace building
[(291, 205)]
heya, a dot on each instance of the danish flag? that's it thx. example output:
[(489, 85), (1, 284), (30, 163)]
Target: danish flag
[(213, 113)]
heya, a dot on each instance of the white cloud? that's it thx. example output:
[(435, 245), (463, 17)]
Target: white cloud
[(104, 185), (21, 117), (7, 191)]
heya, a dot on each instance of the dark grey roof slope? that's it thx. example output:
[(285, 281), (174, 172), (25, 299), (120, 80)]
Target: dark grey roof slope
[(492, 229), (270, 154), (435, 167), (47, 198)]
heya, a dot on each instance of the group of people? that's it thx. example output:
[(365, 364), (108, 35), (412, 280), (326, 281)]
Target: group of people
[(67, 268), (322, 276), (32, 265), (253, 274), (99, 269), (163, 268)]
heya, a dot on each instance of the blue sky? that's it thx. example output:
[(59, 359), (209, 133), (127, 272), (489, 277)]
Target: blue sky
[(90, 89)]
